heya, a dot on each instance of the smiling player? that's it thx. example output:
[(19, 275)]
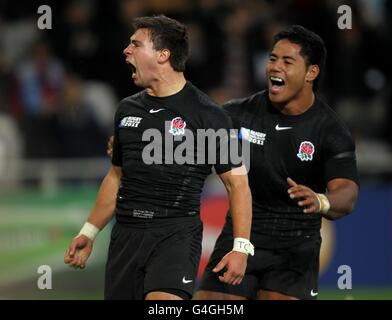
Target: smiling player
[(302, 168)]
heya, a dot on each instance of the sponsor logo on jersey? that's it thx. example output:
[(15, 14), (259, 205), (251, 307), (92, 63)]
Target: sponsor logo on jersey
[(185, 281), (252, 136), (277, 128), (306, 151), (155, 110), (313, 293), (130, 122), (177, 126)]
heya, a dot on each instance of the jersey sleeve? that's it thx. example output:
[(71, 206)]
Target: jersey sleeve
[(228, 147), (232, 108), (117, 151), (340, 157)]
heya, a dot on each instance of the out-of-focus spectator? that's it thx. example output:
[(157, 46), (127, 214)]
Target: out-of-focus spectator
[(103, 101), (10, 140), (11, 147), (237, 75), (80, 132), (39, 80), (5, 84), (77, 39), (16, 37), (230, 42), (206, 63)]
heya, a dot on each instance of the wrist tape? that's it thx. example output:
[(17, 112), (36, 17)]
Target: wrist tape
[(243, 245), (89, 230), (324, 203)]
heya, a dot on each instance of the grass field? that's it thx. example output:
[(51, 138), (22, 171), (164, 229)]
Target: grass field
[(356, 294), (35, 229)]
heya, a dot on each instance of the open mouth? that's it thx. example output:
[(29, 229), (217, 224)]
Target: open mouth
[(276, 81), (133, 68), (277, 84)]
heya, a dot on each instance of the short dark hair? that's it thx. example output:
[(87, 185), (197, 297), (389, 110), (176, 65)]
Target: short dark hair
[(167, 33), (312, 47)]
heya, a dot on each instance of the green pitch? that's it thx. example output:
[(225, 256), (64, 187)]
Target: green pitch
[(35, 229)]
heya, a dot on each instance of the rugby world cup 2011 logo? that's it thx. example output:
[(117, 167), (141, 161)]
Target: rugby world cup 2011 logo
[(177, 126), (306, 151)]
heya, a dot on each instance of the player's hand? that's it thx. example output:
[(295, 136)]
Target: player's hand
[(307, 198), (78, 252), (109, 149), (235, 263)]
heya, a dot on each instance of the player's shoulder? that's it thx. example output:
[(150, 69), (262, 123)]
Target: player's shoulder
[(131, 99), (247, 103), (332, 127), (330, 117), (201, 98), (205, 103), (128, 102)]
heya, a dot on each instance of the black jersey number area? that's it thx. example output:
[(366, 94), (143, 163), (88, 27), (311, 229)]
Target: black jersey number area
[(164, 188), (311, 148)]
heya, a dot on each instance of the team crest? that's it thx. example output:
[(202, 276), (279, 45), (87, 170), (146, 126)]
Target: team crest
[(177, 126), (306, 151)]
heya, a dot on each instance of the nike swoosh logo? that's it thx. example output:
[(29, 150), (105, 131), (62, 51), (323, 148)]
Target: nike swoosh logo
[(313, 294), (155, 111), (186, 281), (277, 128)]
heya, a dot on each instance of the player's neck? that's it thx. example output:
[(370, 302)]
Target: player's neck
[(167, 85), (298, 105)]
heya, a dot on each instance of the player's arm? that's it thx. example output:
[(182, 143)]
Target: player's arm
[(336, 203), (240, 199), (105, 203), (342, 195), (340, 175), (103, 211)]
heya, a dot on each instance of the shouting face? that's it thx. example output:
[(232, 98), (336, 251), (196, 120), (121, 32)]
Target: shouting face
[(288, 75), (142, 57)]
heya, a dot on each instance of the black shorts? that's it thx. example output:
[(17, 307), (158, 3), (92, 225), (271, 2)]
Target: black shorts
[(155, 255), (290, 267)]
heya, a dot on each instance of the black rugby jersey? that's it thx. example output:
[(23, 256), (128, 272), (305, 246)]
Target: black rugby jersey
[(154, 183), (312, 149)]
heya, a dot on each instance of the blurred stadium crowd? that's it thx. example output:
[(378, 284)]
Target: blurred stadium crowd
[(59, 88)]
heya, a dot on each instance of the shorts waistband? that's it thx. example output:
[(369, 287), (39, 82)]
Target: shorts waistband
[(156, 222)]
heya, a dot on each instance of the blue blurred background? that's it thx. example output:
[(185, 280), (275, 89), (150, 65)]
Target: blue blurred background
[(58, 93)]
